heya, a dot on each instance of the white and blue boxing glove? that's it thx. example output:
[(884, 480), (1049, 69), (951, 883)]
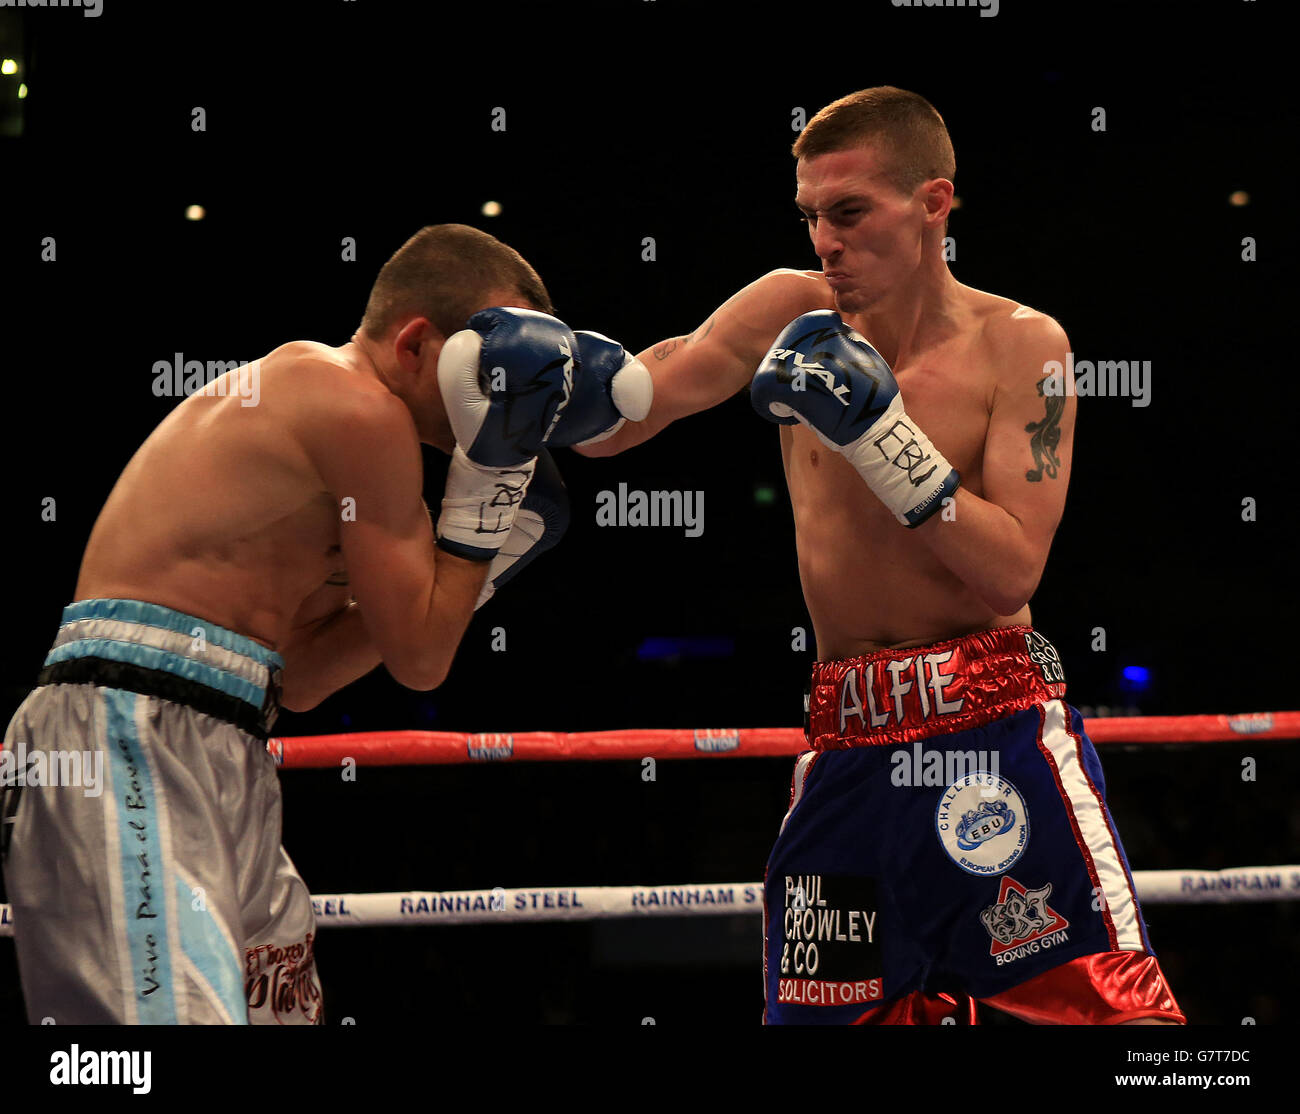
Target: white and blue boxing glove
[(505, 381), (612, 387), (823, 374), (542, 519)]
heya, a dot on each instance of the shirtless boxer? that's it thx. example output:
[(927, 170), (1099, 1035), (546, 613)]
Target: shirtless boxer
[(252, 557), (922, 535)]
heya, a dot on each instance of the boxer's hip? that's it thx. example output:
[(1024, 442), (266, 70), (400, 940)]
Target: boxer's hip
[(901, 696), (151, 650)]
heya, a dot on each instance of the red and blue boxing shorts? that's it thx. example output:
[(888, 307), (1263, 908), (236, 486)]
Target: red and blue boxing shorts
[(948, 841)]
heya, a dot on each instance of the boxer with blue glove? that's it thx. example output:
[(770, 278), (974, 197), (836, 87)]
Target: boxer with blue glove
[(294, 538), (1010, 888)]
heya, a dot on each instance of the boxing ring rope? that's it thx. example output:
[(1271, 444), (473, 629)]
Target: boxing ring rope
[(429, 748), (724, 899), (589, 903)]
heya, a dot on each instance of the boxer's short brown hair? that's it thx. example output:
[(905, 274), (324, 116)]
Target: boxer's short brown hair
[(445, 272), (912, 134)]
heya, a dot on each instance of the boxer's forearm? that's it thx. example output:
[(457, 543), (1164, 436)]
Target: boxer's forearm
[(670, 370), (987, 549), (629, 434), (456, 587), (334, 654)]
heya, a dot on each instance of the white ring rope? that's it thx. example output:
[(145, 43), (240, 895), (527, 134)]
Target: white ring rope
[(597, 903)]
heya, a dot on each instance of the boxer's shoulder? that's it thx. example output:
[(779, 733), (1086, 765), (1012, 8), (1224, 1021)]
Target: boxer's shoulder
[(339, 415), (750, 319), (790, 293), (325, 386), (1008, 323), (302, 358), (1014, 334)]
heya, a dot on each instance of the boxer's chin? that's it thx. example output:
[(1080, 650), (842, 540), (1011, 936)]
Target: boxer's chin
[(857, 299), (851, 301)]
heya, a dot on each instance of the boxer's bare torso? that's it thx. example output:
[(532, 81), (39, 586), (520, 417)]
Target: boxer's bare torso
[(222, 512), (870, 583), (299, 521)]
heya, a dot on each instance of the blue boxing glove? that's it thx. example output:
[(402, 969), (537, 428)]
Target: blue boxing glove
[(542, 519), (505, 382), (823, 374), (611, 388)]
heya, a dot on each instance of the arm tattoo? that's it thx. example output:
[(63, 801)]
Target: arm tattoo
[(1046, 437), (663, 351)]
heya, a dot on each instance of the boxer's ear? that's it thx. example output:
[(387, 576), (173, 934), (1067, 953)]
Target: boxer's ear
[(417, 344)]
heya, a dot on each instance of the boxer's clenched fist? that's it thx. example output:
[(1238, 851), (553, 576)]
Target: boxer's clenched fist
[(823, 374), (612, 387)]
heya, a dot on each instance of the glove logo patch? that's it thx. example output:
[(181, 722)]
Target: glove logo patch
[(817, 370), (566, 388)]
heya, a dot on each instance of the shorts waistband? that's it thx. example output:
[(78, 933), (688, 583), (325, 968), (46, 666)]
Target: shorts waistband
[(155, 651), (899, 696)]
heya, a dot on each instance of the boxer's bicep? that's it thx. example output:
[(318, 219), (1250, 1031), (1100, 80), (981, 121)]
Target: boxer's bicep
[(699, 371), (1031, 436), (694, 373), (373, 468)]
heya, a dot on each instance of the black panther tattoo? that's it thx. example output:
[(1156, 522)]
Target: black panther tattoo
[(1046, 437)]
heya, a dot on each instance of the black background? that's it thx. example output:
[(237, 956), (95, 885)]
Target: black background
[(641, 118)]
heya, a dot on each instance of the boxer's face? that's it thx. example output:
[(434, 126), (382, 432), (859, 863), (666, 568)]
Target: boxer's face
[(867, 234)]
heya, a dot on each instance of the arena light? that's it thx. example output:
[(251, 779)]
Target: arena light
[(8, 66), (670, 648), (195, 212), (491, 208), (1139, 676)]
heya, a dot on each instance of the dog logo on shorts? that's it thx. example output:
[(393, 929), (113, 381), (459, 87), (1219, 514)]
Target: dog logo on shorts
[(982, 823)]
